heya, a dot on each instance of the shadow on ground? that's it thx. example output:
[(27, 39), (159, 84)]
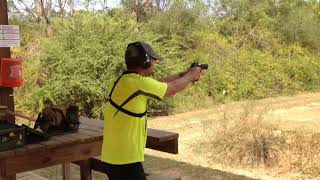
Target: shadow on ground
[(152, 164), (188, 171)]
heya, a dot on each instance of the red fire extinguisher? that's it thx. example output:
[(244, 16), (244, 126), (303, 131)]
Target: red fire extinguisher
[(11, 72)]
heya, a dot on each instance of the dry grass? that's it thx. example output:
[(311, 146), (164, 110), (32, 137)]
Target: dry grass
[(248, 139), (301, 153)]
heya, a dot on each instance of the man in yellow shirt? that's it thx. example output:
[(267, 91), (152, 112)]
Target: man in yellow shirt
[(125, 127)]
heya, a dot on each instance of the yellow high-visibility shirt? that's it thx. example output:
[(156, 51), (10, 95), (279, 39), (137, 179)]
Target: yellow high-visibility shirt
[(125, 136)]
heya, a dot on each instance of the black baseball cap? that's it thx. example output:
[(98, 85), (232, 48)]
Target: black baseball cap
[(146, 48)]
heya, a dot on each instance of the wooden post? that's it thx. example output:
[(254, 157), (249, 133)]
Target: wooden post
[(3, 175), (85, 170), (66, 171), (6, 94)]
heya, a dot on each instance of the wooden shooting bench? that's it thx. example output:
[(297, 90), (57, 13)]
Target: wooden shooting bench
[(82, 148)]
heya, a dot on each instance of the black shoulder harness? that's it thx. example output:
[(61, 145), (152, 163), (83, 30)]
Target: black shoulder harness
[(135, 94)]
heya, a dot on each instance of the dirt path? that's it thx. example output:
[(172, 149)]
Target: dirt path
[(300, 113)]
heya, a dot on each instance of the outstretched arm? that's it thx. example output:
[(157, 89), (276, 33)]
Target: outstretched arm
[(171, 78), (178, 84)]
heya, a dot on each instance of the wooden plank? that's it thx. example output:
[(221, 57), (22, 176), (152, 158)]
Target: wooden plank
[(3, 175), (87, 136), (92, 128), (66, 171), (92, 122), (66, 139), (160, 140), (30, 148), (5, 154), (82, 137), (51, 143), (85, 170), (35, 147), (166, 146), (62, 140), (59, 155), (161, 136), (154, 134), (93, 134), (20, 151), (90, 132)]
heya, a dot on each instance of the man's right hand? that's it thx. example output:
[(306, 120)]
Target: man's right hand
[(194, 73)]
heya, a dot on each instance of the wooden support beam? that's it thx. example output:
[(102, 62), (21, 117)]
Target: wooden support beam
[(66, 171), (6, 94), (162, 141), (85, 170), (3, 175)]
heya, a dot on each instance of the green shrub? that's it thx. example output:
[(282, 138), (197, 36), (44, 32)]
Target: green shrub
[(78, 57)]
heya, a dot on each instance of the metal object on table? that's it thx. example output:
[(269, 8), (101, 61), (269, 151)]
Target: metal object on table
[(11, 136), (14, 136)]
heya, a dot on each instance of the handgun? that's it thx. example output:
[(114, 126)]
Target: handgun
[(202, 66)]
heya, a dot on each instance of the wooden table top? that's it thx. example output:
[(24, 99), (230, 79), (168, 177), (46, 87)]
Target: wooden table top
[(90, 130), (67, 148)]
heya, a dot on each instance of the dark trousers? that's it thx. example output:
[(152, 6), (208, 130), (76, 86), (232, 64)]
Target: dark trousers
[(132, 171)]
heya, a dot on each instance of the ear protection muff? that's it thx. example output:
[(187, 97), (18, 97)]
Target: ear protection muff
[(143, 60)]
